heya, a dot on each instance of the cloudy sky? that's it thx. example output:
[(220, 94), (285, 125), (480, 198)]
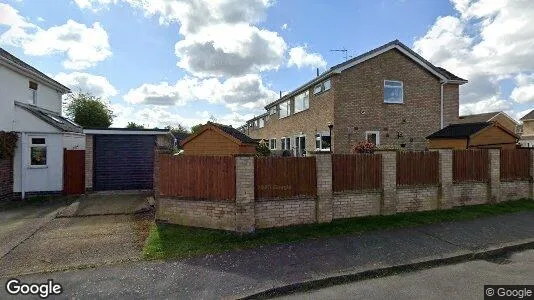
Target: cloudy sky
[(169, 62)]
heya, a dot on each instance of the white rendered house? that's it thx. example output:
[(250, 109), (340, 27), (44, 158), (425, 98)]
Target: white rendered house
[(31, 107)]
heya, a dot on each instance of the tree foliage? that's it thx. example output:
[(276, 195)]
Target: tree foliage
[(89, 111), (178, 129), (195, 128), (134, 125)]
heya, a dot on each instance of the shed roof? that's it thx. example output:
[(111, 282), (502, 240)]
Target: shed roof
[(235, 134), (459, 131)]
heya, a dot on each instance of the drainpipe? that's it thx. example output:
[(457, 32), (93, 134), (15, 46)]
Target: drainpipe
[(22, 164), (442, 83)]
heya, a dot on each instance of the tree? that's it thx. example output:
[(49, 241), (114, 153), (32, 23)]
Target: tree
[(178, 129), (196, 128), (89, 111), (134, 125)]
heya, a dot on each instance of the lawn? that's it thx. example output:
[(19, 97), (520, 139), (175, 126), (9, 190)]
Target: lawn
[(167, 241)]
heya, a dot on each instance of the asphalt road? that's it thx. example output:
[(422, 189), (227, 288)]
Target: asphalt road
[(459, 281)]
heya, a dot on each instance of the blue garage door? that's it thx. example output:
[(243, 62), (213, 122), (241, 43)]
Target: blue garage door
[(123, 162)]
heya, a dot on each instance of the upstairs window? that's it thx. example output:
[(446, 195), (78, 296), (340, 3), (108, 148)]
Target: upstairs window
[(262, 122), (32, 92), (393, 91), (272, 110), (322, 87), (302, 101), (285, 109)]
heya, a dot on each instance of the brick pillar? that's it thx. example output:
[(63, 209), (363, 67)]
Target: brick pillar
[(244, 198), (89, 162), (445, 178), (495, 175), (323, 208), (389, 183), (532, 173)]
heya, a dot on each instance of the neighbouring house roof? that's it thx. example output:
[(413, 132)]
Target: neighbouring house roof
[(484, 117), (459, 131), (126, 131), (16, 63), (466, 130), (233, 133), (51, 118), (441, 73), (529, 116)]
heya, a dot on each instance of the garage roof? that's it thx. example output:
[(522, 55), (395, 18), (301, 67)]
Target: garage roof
[(126, 131)]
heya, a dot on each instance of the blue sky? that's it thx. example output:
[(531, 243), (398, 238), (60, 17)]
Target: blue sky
[(169, 62)]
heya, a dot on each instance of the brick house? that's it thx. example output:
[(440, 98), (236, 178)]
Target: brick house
[(527, 130), (389, 95)]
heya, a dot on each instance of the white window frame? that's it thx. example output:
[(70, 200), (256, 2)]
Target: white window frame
[(272, 110), (319, 137), (367, 133), (285, 143), (261, 122), (303, 97), (394, 86), (288, 109), (272, 144), (321, 87), (31, 145)]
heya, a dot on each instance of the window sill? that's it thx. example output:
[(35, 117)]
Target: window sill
[(38, 167), (321, 92), (393, 102), (298, 112)]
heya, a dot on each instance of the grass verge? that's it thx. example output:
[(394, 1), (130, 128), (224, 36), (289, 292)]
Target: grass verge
[(167, 241)]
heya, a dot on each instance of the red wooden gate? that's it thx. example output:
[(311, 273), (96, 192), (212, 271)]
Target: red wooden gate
[(73, 172)]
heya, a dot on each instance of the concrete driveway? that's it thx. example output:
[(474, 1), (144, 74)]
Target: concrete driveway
[(93, 230)]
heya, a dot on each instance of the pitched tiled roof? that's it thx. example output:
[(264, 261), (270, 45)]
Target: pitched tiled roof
[(18, 62), (51, 118), (529, 116), (458, 131), (485, 117), (245, 139)]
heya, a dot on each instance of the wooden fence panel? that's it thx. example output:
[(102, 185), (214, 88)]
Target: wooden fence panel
[(285, 177), (418, 168), (515, 164), (356, 172), (470, 165), (197, 177)]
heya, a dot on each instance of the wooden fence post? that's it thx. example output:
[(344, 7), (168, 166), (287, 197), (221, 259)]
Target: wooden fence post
[(495, 175), (244, 198), (389, 183), (323, 164)]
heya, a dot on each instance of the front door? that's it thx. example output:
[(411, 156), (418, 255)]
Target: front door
[(300, 145)]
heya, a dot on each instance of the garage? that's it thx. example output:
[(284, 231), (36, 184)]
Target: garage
[(123, 159)]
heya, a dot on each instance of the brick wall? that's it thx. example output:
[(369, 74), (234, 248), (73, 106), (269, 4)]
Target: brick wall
[(248, 213), (284, 212), (209, 214), (6, 179), (356, 204), (89, 162)]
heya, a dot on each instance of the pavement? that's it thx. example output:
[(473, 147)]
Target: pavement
[(93, 230), (458, 281), (277, 269)]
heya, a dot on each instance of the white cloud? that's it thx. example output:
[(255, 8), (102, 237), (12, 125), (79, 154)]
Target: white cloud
[(299, 57), (487, 42), (284, 26), (98, 86), (236, 93), (483, 106), (83, 46), (524, 90), (220, 38), (93, 5)]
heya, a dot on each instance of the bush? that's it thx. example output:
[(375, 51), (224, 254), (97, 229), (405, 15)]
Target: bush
[(263, 150), (8, 143), (364, 147)]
